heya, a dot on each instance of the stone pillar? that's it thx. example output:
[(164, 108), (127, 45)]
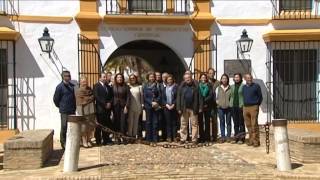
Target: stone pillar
[(71, 153), (201, 21), (88, 20), (281, 143)]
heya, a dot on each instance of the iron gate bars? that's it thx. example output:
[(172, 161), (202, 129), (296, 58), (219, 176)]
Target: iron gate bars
[(293, 76), (89, 62), (9, 7), (8, 113), (148, 7), (295, 9), (204, 56)]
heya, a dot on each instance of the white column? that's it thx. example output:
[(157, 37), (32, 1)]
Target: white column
[(281, 143), (71, 153)]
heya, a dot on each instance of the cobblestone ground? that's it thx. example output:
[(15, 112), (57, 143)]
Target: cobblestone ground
[(136, 161), (139, 161)]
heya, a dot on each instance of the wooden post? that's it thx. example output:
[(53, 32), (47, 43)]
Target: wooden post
[(281, 143), (71, 153)]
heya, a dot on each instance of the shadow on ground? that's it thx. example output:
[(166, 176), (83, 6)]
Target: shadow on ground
[(55, 158), (296, 165), (92, 167)]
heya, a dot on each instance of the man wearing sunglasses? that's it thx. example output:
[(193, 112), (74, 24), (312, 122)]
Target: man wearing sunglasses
[(64, 99)]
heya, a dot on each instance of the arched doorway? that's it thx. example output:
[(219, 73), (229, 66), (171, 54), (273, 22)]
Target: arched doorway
[(143, 56)]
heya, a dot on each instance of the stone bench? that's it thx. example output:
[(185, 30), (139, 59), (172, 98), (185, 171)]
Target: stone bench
[(28, 149), (304, 144)]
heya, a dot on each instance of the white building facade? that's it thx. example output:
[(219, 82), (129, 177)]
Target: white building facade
[(171, 35)]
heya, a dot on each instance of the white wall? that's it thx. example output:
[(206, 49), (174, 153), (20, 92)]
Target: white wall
[(36, 72), (228, 35), (38, 75), (251, 9), (49, 7), (178, 38)]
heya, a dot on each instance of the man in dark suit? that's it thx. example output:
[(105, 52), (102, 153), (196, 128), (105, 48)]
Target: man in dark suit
[(103, 95)]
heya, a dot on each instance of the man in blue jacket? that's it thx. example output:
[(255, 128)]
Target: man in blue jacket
[(64, 98), (252, 98)]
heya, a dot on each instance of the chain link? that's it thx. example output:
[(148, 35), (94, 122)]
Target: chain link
[(267, 130), (118, 135)]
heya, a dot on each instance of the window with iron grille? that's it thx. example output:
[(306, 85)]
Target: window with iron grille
[(3, 88), (295, 83), (289, 5), (145, 5)]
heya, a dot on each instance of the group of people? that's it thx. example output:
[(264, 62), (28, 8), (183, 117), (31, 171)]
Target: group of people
[(161, 109)]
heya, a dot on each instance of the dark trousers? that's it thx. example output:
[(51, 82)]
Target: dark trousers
[(152, 125), (162, 123), (171, 123), (119, 119), (225, 118), (141, 126), (238, 122), (214, 124), (63, 131), (103, 119), (204, 125)]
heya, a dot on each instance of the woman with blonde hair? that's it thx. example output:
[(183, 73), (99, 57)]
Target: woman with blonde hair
[(136, 105), (85, 107)]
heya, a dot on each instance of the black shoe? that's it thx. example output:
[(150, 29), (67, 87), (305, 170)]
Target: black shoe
[(249, 144), (221, 140), (234, 141), (256, 144), (182, 142), (194, 142)]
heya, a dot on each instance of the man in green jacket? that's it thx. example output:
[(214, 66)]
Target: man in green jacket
[(236, 104)]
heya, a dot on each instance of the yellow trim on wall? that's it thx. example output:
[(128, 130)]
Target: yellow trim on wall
[(8, 34), (43, 19), (292, 35), (143, 19), (236, 22)]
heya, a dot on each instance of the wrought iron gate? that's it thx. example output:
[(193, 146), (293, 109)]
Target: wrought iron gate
[(201, 61), (8, 116), (89, 62)]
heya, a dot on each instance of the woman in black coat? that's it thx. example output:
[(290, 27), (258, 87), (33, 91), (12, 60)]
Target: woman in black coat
[(207, 98), (121, 101)]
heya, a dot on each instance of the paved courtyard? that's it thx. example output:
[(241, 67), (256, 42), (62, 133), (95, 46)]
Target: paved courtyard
[(133, 161)]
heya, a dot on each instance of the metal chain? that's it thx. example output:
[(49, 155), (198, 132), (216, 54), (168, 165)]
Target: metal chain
[(129, 139), (267, 129)]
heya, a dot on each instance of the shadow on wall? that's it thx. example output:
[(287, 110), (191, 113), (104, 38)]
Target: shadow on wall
[(265, 95), (27, 70)]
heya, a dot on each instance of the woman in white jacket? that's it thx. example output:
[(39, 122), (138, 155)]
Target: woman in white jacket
[(136, 105)]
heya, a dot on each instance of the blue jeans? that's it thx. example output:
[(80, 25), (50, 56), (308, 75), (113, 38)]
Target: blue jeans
[(225, 117), (152, 125), (238, 123)]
